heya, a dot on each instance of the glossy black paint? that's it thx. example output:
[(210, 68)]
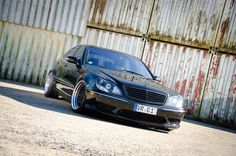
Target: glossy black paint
[(72, 67)]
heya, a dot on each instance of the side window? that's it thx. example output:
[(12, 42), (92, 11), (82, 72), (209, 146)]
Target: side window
[(71, 52), (79, 52)]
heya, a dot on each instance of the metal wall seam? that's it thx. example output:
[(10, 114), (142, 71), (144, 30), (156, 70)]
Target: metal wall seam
[(56, 15), (27, 54), (125, 43)]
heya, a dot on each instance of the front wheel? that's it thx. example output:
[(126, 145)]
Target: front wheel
[(78, 97), (49, 87)]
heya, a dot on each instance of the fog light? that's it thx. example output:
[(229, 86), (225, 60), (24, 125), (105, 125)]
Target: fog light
[(91, 93)]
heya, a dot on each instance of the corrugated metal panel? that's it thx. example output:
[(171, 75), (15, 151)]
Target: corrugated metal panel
[(226, 40), (124, 43), (27, 54), (219, 103), (66, 16), (130, 16), (193, 22), (181, 68)]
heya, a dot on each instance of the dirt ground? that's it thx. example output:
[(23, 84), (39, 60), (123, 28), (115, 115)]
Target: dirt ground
[(31, 124)]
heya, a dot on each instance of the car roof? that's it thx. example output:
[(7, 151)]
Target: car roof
[(94, 46)]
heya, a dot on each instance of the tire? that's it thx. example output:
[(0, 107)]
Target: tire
[(78, 97), (49, 87)]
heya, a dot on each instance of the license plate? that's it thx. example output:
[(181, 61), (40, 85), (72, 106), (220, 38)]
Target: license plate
[(145, 109)]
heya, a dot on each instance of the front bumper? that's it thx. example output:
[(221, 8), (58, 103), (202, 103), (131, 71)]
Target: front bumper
[(123, 109)]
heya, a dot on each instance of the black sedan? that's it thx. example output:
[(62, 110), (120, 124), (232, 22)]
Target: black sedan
[(114, 83)]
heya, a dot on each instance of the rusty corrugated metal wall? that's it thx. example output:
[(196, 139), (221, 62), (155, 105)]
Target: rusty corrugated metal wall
[(125, 16), (65, 16), (37, 32), (181, 68), (192, 23), (190, 44), (226, 39), (219, 102), (27, 54)]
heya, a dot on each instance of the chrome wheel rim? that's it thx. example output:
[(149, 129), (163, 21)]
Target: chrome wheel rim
[(78, 95), (47, 83)]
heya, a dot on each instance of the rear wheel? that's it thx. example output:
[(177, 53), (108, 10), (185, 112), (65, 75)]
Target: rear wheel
[(49, 87), (78, 97)]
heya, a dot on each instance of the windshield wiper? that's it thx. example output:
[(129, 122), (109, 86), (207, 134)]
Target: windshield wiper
[(132, 72)]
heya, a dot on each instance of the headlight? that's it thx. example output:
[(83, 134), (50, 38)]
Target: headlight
[(107, 87), (176, 101)]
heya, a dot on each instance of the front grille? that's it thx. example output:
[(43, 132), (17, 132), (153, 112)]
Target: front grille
[(145, 95), (136, 93)]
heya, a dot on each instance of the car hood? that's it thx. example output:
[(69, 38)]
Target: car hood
[(125, 78)]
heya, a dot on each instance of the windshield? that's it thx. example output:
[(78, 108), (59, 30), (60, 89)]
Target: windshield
[(116, 61)]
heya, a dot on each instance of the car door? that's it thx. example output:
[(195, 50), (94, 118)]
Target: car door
[(72, 73), (62, 70)]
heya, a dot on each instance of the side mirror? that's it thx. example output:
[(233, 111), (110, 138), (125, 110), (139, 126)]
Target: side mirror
[(74, 60), (157, 78), (71, 59)]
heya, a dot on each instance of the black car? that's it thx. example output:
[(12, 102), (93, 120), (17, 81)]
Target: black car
[(114, 83)]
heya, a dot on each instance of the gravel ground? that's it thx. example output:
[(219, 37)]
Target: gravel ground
[(31, 124)]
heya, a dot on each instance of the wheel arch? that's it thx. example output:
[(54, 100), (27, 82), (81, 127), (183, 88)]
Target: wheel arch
[(53, 71), (79, 79)]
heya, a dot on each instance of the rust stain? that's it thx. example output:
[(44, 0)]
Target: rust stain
[(213, 21), (157, 35), (199, 18), (234, 90), (99, 8), (224, 28), (215, 65), (190, 24), (121, 28), (176, 86), (130, 6), (92, 2), (124, 26), (163, 82), (204, 54), (200, 81), (234, 84), (149, 56), (184, 49), (232, 3), (183, 87), (190, 88)]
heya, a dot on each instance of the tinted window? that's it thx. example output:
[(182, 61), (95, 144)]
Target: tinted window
[(71, 52), (116, 61), (79, 52)]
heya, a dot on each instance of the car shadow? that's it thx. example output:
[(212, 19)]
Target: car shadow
[(38, 100), (212, 126)]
